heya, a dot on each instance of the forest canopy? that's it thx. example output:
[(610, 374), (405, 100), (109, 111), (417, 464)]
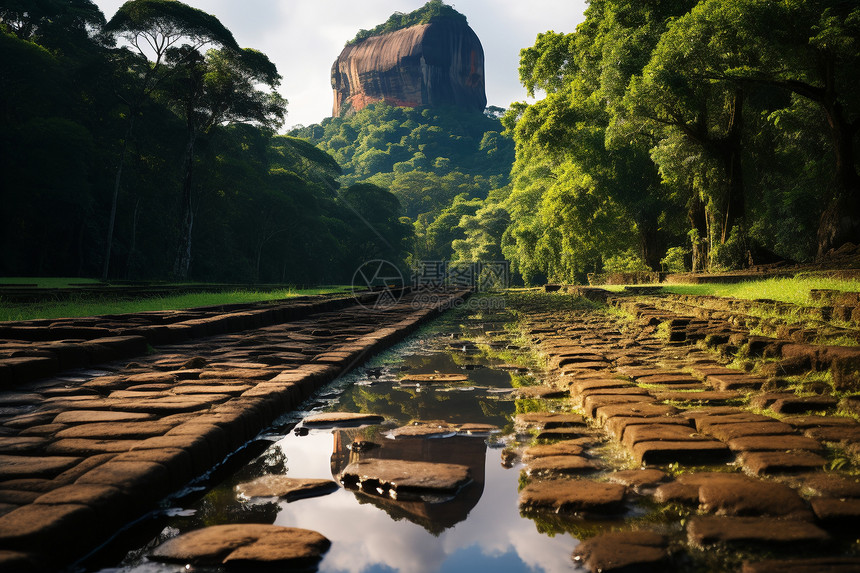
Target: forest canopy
[(674, 135), (145, 147)]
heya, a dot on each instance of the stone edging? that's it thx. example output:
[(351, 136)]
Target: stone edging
[(69, 522)]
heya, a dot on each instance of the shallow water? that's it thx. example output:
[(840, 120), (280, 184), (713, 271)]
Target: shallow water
[(480, 529)]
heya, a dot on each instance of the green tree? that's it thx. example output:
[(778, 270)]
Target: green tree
[(149, 29), (220, 88)]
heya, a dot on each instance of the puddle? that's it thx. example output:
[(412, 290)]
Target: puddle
[(478, 529)]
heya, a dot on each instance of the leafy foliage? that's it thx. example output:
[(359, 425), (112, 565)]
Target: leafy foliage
[(432, 11), (440, 163), (107, 123)]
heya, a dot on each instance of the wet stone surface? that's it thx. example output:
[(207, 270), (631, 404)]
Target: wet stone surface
[(554, 438)]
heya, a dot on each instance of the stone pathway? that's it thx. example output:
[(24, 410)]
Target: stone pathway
[(748, 465), (85, 452)]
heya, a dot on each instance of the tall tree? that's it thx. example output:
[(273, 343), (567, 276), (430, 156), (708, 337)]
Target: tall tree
[(149, 29), (221, 87), (810, 48)]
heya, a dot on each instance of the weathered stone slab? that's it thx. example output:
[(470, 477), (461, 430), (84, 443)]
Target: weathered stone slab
[(561, 464), (114, 430), (850, 434), (692, 452), (819, 565), (751, 497), (21, 444), (35, 527), (549, 420), (562, 433), (643, 410), (239, 374), (423, 430), (703, 531), (579, 386), (626, 551), (14, 467), (245, 545), (170, 404), (735, 382), (707, 421), (572, 496), (332, 419), (830, 485), (590, 404), (286, 487), (108, 502), (765, 443), (146, 479), (540, 392), (93, 416), (660, 432), (666, 379), (400, 476), (833, 511), (564, 448), (701, 397), (761, 463), (83, 447), (804, 422), (726, 432), (637, 479), (618, 426), (798, 404)]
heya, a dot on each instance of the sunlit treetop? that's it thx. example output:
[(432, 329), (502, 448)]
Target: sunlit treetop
[(433, 11)]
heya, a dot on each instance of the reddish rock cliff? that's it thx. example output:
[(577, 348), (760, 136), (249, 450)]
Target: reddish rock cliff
[(435, 64)]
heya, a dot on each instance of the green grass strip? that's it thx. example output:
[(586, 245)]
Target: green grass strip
[(94, 307), (793, 290)]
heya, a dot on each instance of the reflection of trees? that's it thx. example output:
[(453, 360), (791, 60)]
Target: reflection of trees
[(220, 506), (430, 403)]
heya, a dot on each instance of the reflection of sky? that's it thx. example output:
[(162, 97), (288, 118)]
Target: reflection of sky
[(365, 539)]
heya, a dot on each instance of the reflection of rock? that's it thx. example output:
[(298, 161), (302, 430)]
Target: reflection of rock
[(401, 479), (435, 517), (283, 486), (423, 430), (245, 545), (331, 419)]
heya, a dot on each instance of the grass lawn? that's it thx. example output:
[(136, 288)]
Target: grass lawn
[(94, 307), (48, 282), (793, 290)]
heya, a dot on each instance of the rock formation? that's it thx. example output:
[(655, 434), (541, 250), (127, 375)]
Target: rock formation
[(435, 64)]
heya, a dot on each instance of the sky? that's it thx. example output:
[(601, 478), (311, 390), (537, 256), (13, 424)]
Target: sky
[(304, 37)]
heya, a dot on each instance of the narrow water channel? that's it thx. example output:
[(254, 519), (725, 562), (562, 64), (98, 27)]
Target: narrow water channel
[(478, 529)]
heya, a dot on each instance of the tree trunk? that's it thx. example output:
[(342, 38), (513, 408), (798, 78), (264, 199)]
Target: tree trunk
[(115, 200), (697, 217), (840, 222), (648, 240), (734, 201), (132, 246), (182, 263)]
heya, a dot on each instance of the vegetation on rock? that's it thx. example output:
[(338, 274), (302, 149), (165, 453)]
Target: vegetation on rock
[(432, 11)]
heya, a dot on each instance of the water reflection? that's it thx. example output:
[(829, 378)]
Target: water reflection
[(458, 536), (480, 529), (434, 517)]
